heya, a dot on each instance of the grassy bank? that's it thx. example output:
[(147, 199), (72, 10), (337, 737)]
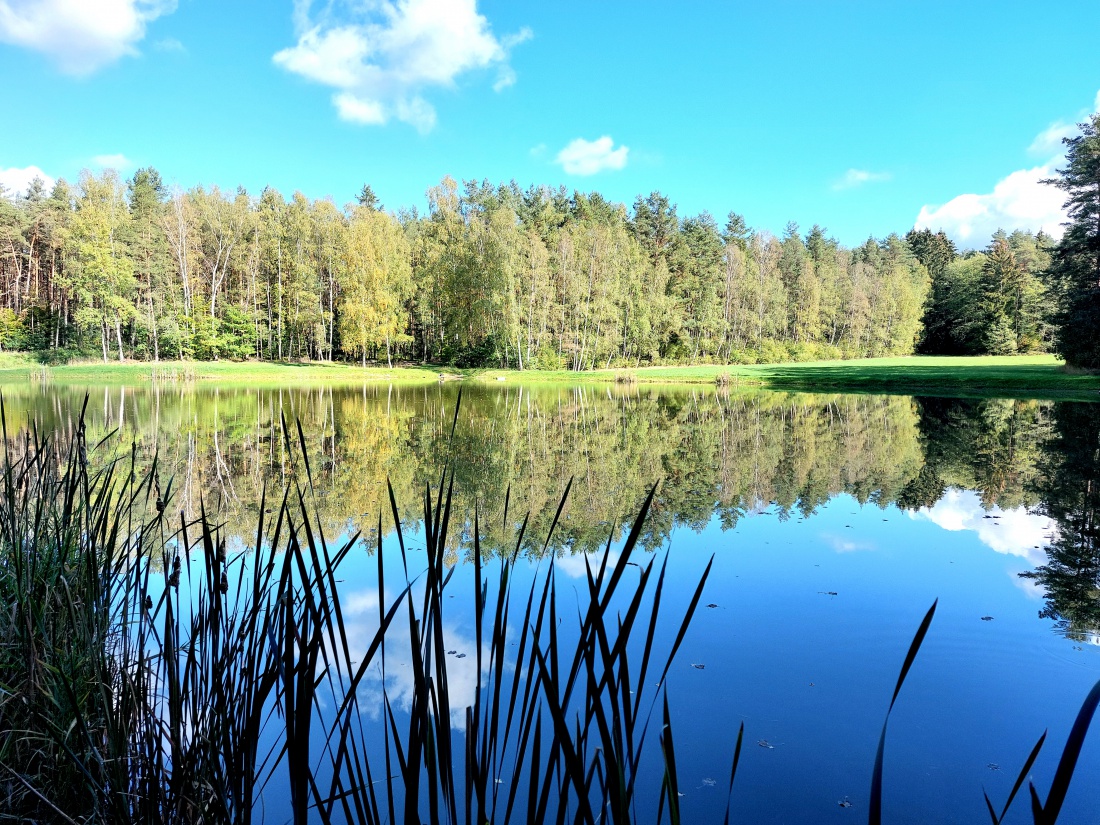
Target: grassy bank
[(1028, 376), (1032, 376), (21, 367)]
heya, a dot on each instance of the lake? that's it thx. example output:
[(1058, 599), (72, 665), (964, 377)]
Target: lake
[(834, 522)]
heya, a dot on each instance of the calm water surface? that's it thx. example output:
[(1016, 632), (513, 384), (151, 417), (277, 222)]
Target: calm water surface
[(834, 522)]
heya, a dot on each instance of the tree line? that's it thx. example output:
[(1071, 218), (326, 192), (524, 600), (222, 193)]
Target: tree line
[(523, 278)]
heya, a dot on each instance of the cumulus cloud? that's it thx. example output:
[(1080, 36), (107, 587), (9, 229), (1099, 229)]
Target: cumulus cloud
[(587, 157), (1012, 532), (381, 56), (1018, 201), (118, 162), (15, 181), (857, 177), (80, 36)]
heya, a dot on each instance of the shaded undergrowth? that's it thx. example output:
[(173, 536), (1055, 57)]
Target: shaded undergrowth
[(152, 671)]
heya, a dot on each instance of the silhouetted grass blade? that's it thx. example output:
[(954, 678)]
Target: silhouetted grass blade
[(1059, 786), (305, 453), (557, 514), (874, 813), (669, 752), (1019, 783), (733, 771)]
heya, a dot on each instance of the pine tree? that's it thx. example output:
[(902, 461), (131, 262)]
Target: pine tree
[(1075, 270)]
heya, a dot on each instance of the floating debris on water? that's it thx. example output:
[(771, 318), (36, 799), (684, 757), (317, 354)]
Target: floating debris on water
[(845, 803), (764, 743), (710, 783)]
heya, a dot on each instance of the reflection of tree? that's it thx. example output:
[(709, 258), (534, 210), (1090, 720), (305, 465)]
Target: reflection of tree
[(1071, 495), (714, 452), (991, 445)]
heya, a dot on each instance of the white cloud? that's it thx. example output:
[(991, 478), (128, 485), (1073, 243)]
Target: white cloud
[(505, 77), (1018, 201), (16, 181), (79, 35), (170, 44), (1013, 532), (118, 162), (381, 55), (1048, 143), (857, 177), (587, 157), (358, 110)]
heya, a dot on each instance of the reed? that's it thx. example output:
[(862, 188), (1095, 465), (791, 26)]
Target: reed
[(184, 373), (150, 672)]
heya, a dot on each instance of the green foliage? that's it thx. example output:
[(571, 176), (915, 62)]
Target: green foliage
[(11, 330), (492, 275), (1075, 270)]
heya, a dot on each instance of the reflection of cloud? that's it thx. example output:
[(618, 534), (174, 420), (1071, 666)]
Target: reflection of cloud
[(1031, 588), (1014, 532), (842, 544), (573, 565), (360, 612)]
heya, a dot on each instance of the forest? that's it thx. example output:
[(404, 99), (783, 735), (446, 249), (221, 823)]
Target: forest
[(536, 278)]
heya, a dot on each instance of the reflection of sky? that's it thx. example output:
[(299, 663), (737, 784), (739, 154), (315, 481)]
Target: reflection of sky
[(360, 612), (573, 565), (799, 634), (1012, 532)]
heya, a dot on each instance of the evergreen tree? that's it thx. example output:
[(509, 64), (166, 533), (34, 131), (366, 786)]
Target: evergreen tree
[(1001, 284), (1075, 270)]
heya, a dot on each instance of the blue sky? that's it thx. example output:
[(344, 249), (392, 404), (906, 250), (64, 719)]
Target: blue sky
[(863, 117)]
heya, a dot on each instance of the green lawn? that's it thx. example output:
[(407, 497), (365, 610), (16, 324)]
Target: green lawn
[(1042, 376), (1032, 376), (18, 367)]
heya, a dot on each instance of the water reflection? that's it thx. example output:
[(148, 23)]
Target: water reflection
[(1071, 496), (1023, 475)]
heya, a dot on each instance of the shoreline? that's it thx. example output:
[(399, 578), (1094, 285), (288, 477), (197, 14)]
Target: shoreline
[(1032, 376)]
